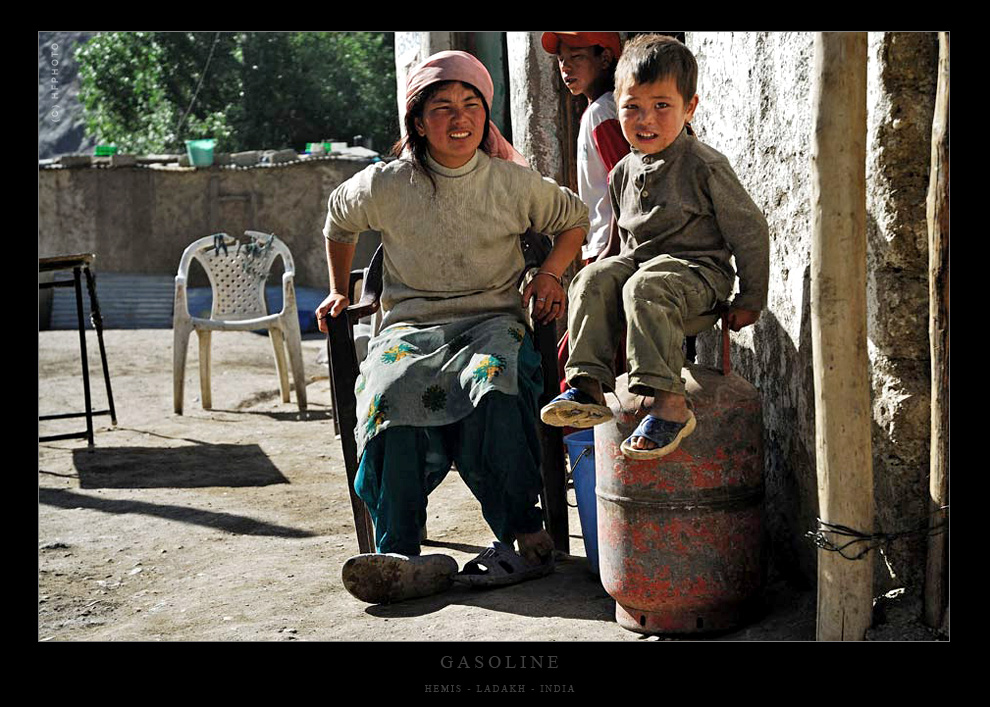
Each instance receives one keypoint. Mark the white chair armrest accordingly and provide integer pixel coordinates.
(180, 308)
(288, 293)
(288, 264)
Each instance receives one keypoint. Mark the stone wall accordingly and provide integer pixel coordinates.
(902, 83)
(139, 219)
(755, 107)
(534, 89)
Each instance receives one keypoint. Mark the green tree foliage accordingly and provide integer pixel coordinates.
(148, 92)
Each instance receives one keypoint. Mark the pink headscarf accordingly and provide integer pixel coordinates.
(461, 66)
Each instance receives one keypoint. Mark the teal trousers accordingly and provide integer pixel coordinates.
(496, 451)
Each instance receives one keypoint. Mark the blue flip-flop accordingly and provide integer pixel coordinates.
(665, 434)
(574, 408)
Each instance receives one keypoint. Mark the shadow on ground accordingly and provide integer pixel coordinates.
(229, 522)
(292, 416)
(195, 466)
(571, 592)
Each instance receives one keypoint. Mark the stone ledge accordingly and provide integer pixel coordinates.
(251, 159)
(74, 160)
(123, 160)
(245, 159)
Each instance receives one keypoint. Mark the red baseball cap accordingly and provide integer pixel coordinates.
(551, 40)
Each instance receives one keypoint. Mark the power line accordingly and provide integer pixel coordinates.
(202, 76)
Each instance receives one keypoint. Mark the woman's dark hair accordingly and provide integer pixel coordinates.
(416, 143)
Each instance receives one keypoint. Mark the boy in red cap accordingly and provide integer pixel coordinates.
(587, 66)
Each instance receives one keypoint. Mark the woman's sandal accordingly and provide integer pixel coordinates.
(665, 434)
(500, 566)
(378, 578)
(575, 408)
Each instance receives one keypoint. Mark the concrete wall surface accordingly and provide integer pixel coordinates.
(535, 104)
(755, 106)
(139, 219)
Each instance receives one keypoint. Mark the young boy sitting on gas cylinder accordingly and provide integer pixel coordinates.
(681, 215)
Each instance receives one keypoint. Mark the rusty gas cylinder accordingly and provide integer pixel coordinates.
(681, 537)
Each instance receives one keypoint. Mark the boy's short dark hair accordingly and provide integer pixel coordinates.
(647, 58)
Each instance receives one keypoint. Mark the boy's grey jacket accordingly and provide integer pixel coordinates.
(686, 201)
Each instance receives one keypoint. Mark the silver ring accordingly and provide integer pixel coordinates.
(541, 299)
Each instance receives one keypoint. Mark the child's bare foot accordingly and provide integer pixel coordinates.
(666, 406)
(659, 433)
(534, 547)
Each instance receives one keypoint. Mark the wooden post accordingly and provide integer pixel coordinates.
(936, 575)
(843, 418)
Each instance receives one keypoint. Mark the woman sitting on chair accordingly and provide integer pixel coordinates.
(453, 375)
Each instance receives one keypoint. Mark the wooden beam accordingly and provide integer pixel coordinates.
(843, 419)
(936, 574)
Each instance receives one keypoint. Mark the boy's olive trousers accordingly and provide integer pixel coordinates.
(649, 303)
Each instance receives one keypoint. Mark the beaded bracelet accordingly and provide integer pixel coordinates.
(555, 277)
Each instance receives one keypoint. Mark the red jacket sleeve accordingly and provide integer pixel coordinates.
(611, 145)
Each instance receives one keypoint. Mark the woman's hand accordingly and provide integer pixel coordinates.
(339, 259)
(547, 295)
(334, 304)
(545, 289)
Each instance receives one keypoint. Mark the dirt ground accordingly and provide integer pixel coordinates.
(232, 524)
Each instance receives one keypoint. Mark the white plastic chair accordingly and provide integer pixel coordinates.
(237, 273)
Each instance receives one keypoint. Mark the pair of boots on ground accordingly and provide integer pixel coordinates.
(385, 578)
(658, 434)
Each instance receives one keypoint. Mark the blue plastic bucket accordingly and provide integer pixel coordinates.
(581, 451)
